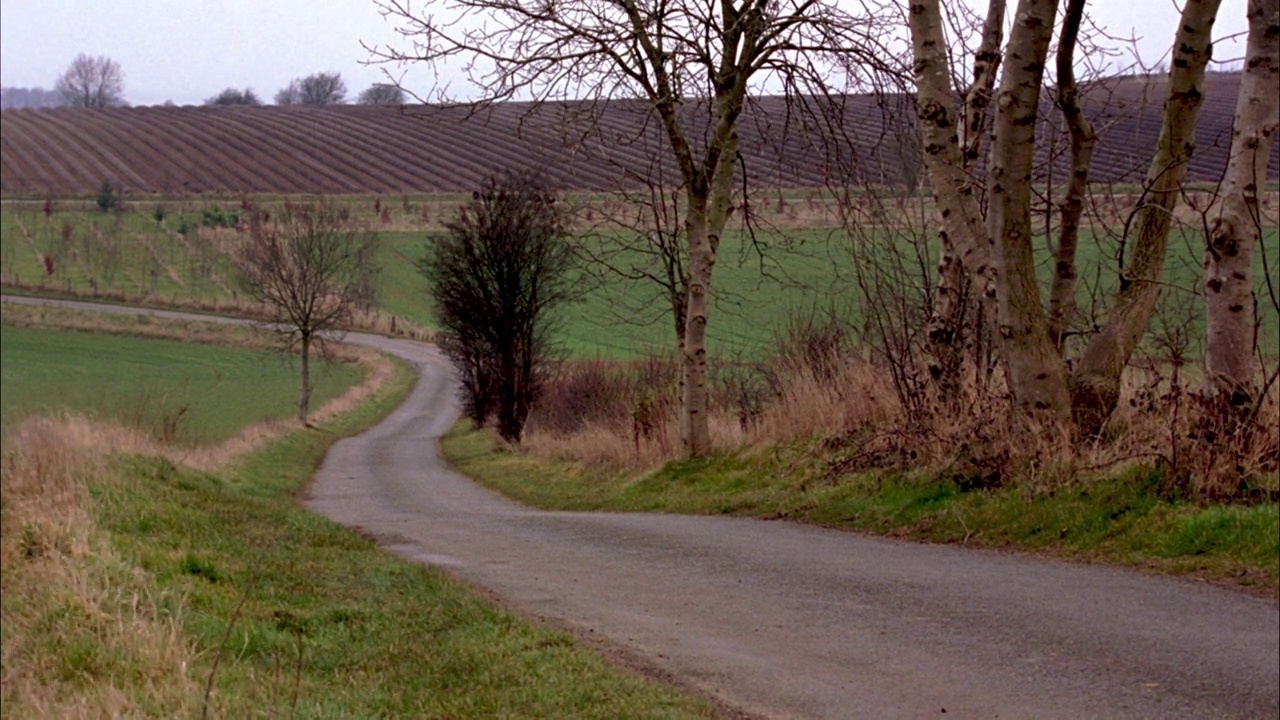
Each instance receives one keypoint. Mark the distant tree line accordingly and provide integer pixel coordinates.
(17, 98)
(99, 82)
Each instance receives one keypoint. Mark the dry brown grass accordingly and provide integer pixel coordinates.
(85, 635)
(846, 406)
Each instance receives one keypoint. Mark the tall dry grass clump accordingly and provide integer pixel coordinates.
(858, 414)
(613, 415)
(85, 634)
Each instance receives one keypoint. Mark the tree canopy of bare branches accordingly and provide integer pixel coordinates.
(311, 269)
(323, 88)
(674, 55)
(95, 82)
(381, 94)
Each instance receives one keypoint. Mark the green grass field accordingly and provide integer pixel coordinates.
(179, 261)
(194, 394)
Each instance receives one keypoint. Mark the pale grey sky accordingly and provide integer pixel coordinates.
(188, 50)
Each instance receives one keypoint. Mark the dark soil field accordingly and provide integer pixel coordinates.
(579, 145)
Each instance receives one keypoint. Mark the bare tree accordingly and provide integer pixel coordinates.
(496, 278)
(999, 254)
(322, 88)
(92, 82)
(233, 96)
(678, 56)
(382, 94)
(290, 94)
(311, 269)
(1236, 230)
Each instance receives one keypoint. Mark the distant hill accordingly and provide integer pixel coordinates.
(580, 145)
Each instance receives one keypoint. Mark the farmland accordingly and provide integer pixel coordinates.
(357, 150)
(183, 393)
(176, 253)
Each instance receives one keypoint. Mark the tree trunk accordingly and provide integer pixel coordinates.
(304, 394)
(977, 100)
(695, 433)
(1095, 385)
(1034, 370)
(1062, 293)
(710, 198)
(1236, 230)
(965, 251)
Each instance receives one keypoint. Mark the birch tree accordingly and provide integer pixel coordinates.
(1000, 253)
(676, 55)
(1236, 228)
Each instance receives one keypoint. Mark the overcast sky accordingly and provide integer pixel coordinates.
(188, 50)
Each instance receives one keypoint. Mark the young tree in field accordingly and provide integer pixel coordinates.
(311, 270)
(692, 63)
(233, 96)
(496, 277)
(1236, 228)
(381, 94)
(92, 82)
(998, 253)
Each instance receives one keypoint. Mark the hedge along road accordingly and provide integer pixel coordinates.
(782, 620)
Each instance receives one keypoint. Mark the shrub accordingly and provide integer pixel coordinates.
(107, 198)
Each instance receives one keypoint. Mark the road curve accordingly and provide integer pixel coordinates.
(782, 620)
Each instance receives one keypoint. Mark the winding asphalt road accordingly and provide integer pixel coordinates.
(782, 620)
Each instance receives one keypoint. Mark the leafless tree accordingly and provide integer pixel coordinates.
(324, 88)
(95, 82)
(998, 253)
(382, 94)
(311, 270)
(497, 277)
(677, 56)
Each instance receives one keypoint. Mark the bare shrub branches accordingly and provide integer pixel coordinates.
(496, 278)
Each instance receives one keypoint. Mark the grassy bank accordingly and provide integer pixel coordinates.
(1125, 519)
(134, 586)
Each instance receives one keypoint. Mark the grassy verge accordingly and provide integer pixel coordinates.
(136, 587)
(1122, 520)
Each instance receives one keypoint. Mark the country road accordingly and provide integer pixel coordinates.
(776, 619)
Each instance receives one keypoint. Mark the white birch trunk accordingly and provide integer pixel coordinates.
(1236, 229)
(1034, 369)
(1095, 385)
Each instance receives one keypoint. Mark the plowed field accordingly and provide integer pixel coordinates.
(580, 146)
